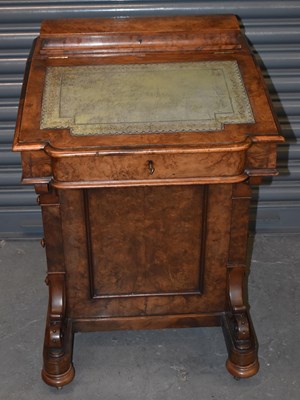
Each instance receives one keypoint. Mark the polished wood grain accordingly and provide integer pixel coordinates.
(158, 260)
(145, 231)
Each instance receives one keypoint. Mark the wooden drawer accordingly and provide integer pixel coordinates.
(127, 168)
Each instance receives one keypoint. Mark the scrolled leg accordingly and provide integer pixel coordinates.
(58, 369)
(238, 329)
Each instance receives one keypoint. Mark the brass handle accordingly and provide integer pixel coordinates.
(151, 168)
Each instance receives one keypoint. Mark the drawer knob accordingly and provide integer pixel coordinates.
(151, 168)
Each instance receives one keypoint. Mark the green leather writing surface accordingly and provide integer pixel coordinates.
(145, 98)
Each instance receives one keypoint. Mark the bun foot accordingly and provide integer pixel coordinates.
(61, 380)
(239, 371)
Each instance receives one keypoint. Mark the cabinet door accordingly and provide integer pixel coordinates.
(146, 250)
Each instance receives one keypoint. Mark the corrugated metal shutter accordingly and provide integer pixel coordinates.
(272, 26)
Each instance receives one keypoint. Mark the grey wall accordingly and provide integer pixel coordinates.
(273, 27)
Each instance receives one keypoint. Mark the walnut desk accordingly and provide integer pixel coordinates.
(142, 137)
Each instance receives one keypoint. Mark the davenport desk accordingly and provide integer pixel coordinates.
(142, 137)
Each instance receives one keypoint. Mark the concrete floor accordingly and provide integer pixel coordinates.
(153, 365)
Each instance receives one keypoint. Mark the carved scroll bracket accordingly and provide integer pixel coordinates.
(238, 330)
(56, 311)
(238, 306)
(58, 369)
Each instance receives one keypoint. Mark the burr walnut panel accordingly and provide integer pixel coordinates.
(152, 167)
(88, 297)
(146, 240)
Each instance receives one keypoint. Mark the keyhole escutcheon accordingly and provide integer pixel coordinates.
(151, 168)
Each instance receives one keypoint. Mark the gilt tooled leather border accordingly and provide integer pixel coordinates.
(145, 98)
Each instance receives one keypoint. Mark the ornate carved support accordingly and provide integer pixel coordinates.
(237, 325)
(238, 330)
(238, 308)
(56, 311)
(242, 330)
(58, 369)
